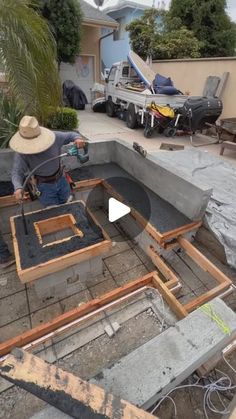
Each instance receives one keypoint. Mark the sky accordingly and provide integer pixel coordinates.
(231, 6)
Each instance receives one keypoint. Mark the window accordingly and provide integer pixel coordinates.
(112, 74)
(120, 32)
(125, 71)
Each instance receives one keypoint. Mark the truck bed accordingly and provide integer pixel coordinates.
(143, 100)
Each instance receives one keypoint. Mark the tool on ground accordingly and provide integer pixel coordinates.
(73, 151)
(139, 149)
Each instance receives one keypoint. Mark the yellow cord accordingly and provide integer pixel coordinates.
(208, 310)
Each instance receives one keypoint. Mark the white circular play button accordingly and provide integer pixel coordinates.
(117, 210)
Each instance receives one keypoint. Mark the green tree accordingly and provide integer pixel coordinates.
(210, 24)
(28, 55)
(156, 35)
(65, 19)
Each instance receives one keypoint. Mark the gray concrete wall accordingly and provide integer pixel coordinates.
(190, 198)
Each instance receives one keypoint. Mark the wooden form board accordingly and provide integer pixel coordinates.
(9, 200)
(65, 391)
(149, 280)
(223, 282)
(62, 262)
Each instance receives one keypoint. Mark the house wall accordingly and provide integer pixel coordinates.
(113, 51)
(190, 76)
(90, 45)
(86, 69)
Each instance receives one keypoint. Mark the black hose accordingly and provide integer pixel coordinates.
(25, 184)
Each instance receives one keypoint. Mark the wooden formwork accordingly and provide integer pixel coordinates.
(222, 280)
(62, 262)
(151, 280)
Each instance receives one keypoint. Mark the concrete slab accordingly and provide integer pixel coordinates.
(10, 283)
(13, 307)
(15, 328)
(102, 288)
(46, 314)
(165, 361)
(122, 262)
(131, 275)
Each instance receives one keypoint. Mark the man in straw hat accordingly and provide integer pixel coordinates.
(33, 145)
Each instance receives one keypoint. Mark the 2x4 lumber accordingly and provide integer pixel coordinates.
(208, 296)
(174, 304)
(203, 262)
(9, 200)
(171, 278)
(65, 391)
(74, 314)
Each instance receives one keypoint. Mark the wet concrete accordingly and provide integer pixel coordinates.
(162, 215)
(32, 253)
(6, 188)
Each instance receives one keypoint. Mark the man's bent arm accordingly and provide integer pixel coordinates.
(19, 170)
(67, 137)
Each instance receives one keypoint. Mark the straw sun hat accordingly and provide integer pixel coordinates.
(31, 138)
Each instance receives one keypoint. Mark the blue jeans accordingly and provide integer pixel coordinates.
(54, 193)
(4, 251)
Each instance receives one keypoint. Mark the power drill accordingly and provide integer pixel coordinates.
(81, 157)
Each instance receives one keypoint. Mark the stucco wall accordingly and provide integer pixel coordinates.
(190, 76)
(90, 46)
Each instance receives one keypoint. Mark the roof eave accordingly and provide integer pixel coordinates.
(100, 23)
(124, 6)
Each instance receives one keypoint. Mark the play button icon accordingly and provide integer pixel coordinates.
(117, 210)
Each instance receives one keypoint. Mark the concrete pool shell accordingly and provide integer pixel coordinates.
(176, 205)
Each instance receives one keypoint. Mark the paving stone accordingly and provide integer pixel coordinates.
(36, 302)
(75, 301)
(122, 262)
(13, 307)
(118, 246)
(10, 284)
(15, 328)
(46, 314)
(91, 281)
(131, 275)
(102, 288)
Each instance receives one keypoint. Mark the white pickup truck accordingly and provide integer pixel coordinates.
(125, 93)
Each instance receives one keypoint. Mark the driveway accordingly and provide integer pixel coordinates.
(98, 126)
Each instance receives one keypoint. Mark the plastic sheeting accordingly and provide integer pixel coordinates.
(203, 168)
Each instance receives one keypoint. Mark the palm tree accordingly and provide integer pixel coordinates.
(28, 55)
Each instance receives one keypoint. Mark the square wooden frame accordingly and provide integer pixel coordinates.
(63, 262)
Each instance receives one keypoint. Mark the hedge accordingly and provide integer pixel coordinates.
(65, 119)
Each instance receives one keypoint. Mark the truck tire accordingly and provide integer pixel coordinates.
(131, 117)
(110, 108)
